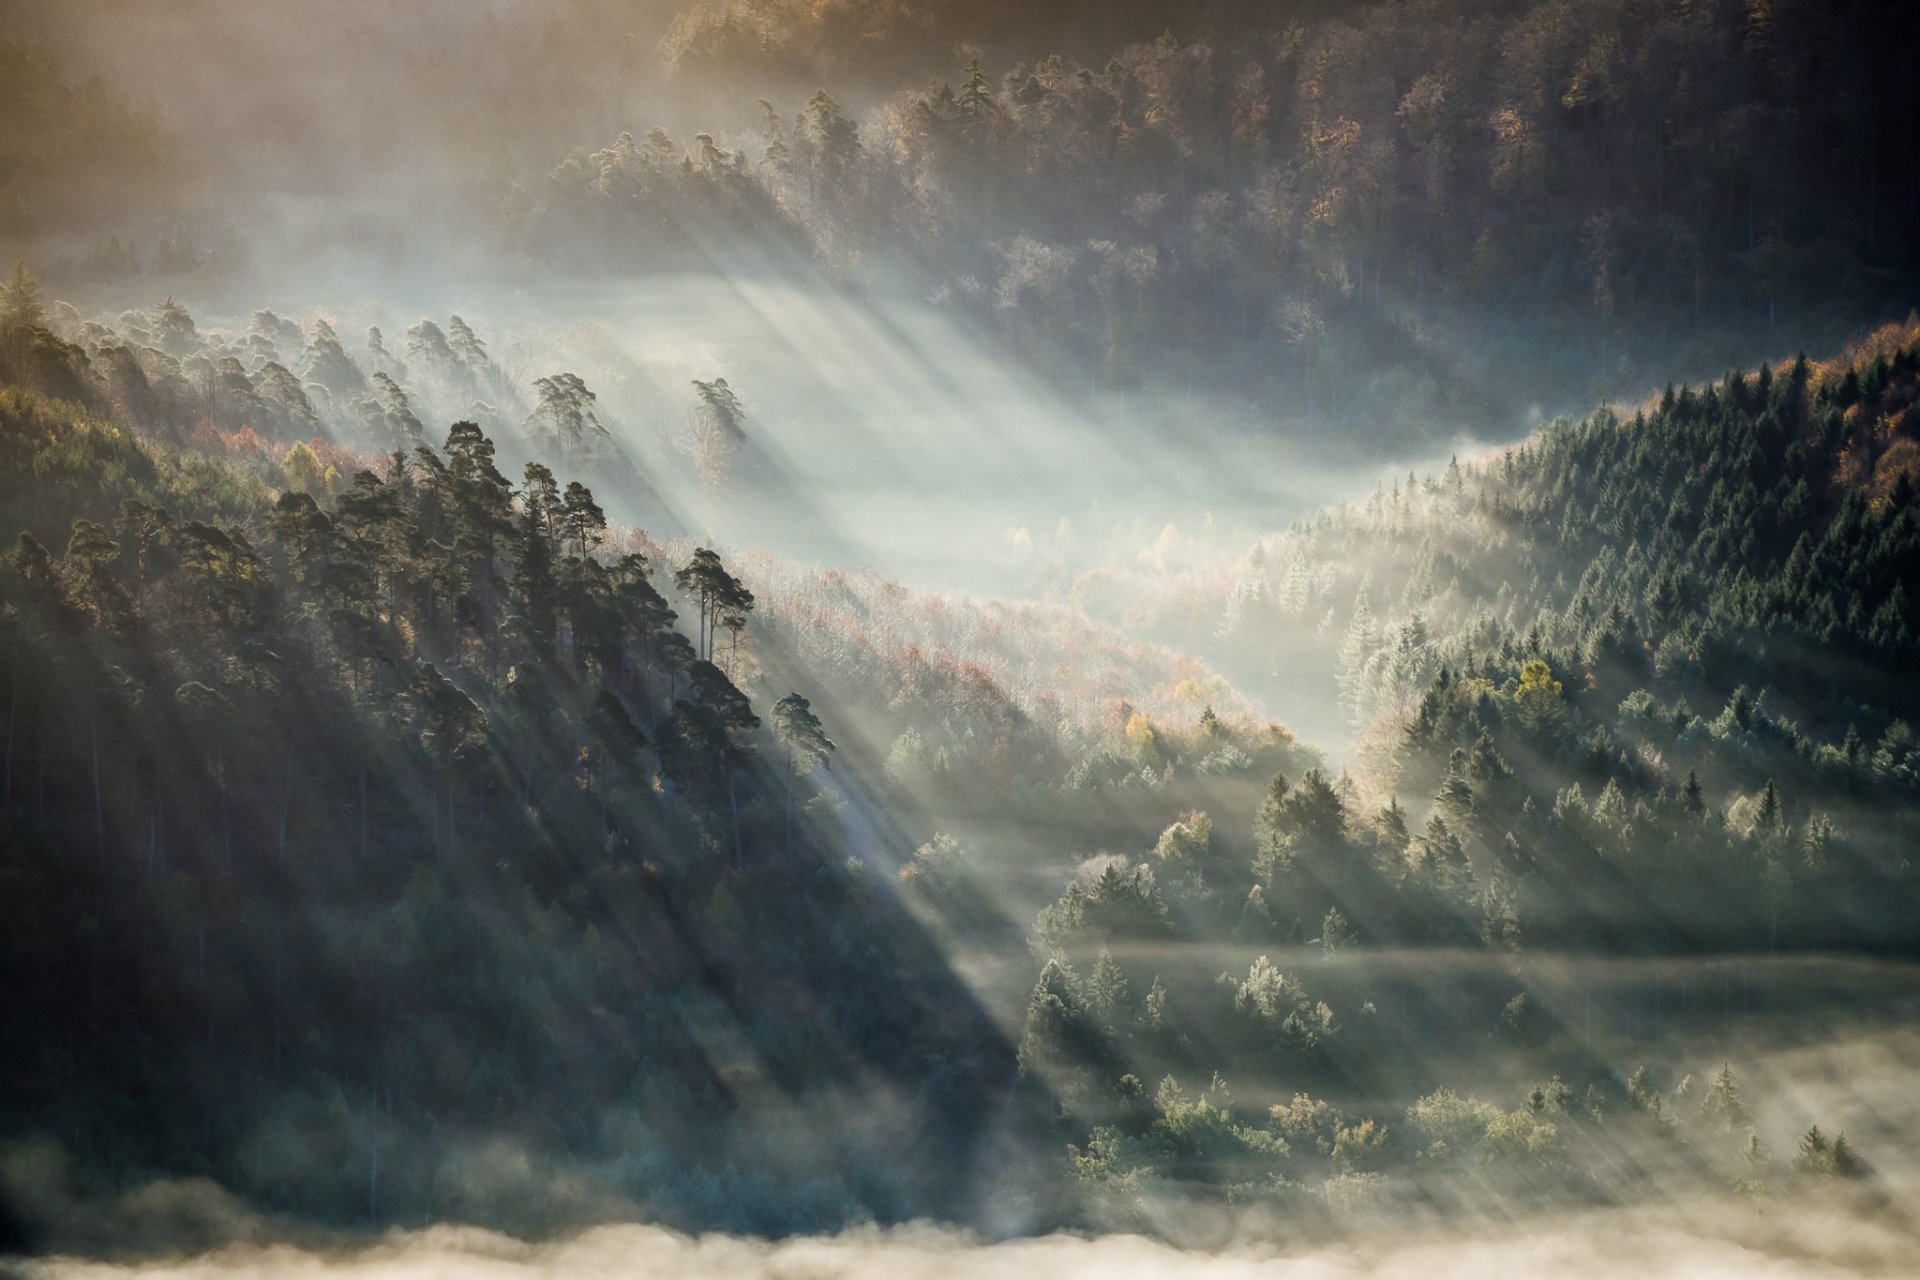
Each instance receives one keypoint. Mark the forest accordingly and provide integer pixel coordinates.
(1161, 636)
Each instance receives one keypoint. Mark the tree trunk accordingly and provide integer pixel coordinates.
(486, 612)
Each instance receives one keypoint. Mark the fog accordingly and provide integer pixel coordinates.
(928, 455)
(1078, 416)
(363, 163)
(883, 433)
(1685, 1241)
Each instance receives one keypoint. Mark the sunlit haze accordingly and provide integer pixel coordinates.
(846, 637)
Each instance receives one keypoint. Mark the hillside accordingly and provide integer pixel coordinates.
(341, 871)
(1544, 841)
(1351, 223)
(748, 638)
(446, 852)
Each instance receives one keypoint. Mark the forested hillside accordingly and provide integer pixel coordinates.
(1527, 641)
(752, 633)
(1380, 212)
(450, 852)
(1356, 222)
(1708, 599)
(321, 808)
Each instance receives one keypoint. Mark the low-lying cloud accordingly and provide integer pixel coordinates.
(1698, 1242)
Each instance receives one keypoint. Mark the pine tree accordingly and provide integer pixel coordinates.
(1814, 1155)
(1768, 821)
(807, 744)
(537, 592)
(1723, 1100)
(1692, 801)
(464, 344)
(977, 109)
(1053, 1037)
(1358, 652)
(581, 521)
(20, 306)
(1106, 988)
(721, 596)
(564, 420)
(1335, 933)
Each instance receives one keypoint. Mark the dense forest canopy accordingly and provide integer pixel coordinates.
(1259, 628)
(1338, 215)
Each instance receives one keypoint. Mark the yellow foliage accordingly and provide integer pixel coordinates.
(1144, 739)
(1538, 696)
(1888, 340)
(1536, 681)
(304, 473)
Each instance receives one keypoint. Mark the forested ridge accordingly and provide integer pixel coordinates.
(1343, 220)
(358, 843)
(1359, 216)
(777, 632)
(1525, 640)
(1706, 601)
(419, 832)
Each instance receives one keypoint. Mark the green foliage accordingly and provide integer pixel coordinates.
(1724, 1101)
(322, 781)
(1184, 846)
(1120, 900)
(1452, 1127)
(1738, 547)
(1310, 192)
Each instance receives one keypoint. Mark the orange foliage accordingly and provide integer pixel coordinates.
(1902, 458)
(1888, 340)
(346, 462)
(208, 438)
(994, 686)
